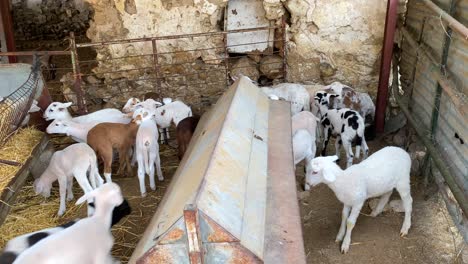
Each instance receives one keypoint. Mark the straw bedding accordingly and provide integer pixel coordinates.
(32, 212)
(18, 148)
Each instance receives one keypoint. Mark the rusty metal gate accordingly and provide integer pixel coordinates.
(146, 65)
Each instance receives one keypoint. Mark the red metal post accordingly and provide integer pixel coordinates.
(7, 25)
(385, 66)
(193, 234)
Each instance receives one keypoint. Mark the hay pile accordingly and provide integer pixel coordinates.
(33, 212)
(18, 148)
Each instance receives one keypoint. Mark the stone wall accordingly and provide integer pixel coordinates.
(49, 19)
(333, 40)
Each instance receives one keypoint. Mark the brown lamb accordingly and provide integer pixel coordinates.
(105, 137)
(184, 132)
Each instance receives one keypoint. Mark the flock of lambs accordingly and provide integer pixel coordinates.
(336, 111)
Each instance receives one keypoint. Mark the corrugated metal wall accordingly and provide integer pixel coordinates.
(421, 86)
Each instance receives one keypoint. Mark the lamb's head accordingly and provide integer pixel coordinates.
(148, 104)
(130, 105)
(320, 170)
(322, 100)
(108, 194)
(57, 110)
(42, 187)
(142, 114)
(57, 127)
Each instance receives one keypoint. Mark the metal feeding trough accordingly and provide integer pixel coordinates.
(20, 85)
(233, 198)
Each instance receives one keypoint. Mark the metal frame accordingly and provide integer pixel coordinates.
(158, 75)
(458, 208)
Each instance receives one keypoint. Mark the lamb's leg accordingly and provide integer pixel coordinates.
(338, 146)
(158, 166)
(350, 225)
(63, 191)
(134, 159)
(92, 179)
(365, 149)
(382, 202)
(349, 152)
(141, 174)
(326, 136)
(127, 164)
(82, 180)
(107, 160)
(344, 217)
(70, 189)
(405, 195)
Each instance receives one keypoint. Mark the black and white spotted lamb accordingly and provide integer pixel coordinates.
(345, 124)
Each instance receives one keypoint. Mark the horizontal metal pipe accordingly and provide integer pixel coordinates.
(125, 41)
(446, 85)
(434, 153)
(452, 22)
(31, 53)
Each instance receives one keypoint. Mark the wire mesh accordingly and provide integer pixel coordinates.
(14, 107)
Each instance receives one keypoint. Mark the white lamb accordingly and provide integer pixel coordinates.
(73, 161)
(147, 149)
(77, 131)
(376, 176)
(292, 92)
(130, 105)
(57, 110)
(306, 120)
(173, 112)
(303, 146)
(88, 241)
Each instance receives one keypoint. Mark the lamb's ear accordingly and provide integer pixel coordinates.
(328, 176)
(334, 95)
(67, 104)
(86, 196)
(332, 158)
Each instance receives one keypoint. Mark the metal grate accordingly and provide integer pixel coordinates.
(14, 107)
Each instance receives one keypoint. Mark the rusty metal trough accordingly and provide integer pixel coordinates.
(233, 198)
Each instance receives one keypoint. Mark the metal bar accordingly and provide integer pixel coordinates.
(122, 41)
(382, 92)
(31, 53)
(226, 57)
(193, 234)
(443, 65)
(452, 22)
(77, 75)
(10, 162)
(7, 24)
(413, 75)
(433, 152)
(444, 82)
(285, 62)
(438, 94)
(157, 69)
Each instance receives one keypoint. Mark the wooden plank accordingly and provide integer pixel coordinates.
(10, 192)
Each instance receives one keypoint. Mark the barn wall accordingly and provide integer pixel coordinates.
(420, 84)
(49, 19)
(327, 40)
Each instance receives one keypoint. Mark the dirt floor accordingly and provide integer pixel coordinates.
(431, 239)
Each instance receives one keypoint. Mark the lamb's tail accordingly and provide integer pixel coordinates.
(94, 172)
